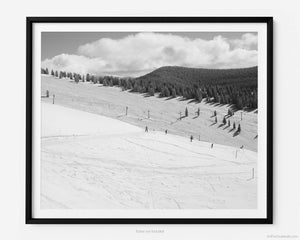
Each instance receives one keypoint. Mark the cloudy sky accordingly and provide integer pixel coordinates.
(134, 54)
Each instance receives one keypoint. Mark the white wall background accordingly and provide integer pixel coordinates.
(286, 116)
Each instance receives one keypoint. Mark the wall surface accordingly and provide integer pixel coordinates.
(286, 115)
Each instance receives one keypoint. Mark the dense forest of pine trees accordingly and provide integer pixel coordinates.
(232, 86)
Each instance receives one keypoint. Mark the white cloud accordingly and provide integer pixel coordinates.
(247, 41)
(143, 52)
(74, 63)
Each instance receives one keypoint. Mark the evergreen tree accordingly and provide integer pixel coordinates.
(111, 84)
(200, 96)
(173, 92)
(151, 91)
(228, 123)
(233, 125)
(167, 92)
(239, 128)
(186, 112)
(224, 120)
(76, 78)
(135, 87)
(52, 72)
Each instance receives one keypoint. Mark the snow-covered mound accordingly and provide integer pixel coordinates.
(90, 161)
(61, 121)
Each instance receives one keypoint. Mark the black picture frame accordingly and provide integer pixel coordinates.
(29, 120)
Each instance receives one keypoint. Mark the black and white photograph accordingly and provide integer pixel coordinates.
(150, 121)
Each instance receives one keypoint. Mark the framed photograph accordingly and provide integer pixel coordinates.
(149, 120)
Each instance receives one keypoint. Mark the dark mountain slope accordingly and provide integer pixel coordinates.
(191, 76)
(225, 86)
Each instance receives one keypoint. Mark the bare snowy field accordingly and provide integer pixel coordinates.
(164, 114)
(91, 161)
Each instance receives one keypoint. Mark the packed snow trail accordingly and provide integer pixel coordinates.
(90, 161)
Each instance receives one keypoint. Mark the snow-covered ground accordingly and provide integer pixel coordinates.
(91, 161)
(164, 112)
(62, 121)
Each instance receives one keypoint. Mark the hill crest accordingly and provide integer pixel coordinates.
(190, 76)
